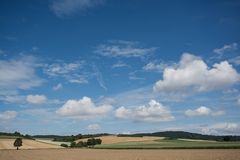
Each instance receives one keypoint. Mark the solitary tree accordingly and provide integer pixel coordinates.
(18, 143)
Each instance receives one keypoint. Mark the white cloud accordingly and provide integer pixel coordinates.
(18, 74)
(1, 51)
(152, 66)
(218, 113)
(226, 48)
(83, 108)
(153, 112)
(193, 75)
(201, 111)
(79, 81)
(57, 87)
(99, 77)
(57, 69)
(238, 101)
(7, 115)
(68, 7)
(93, 127)
(13, 98)
(119, 65)
(71, 72)
(235, 60)
(222, 128)
(36, 99)
(123, 49)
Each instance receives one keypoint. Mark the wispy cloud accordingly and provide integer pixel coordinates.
(123, 49)
(7, 115)
(93, 127)
(235, 60)
(72, 72)
(18, 74)
(69, 7)
(203, 111)
(120, 65)
(57, 87)
(226, 48)
(99, 77)
(157, 67)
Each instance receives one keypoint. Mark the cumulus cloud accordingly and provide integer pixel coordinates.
(7, 115)
(203, 111)
(226, 48)
(222, 128)
(36, 99)
(93, 127)
(83, 108)
(57, 87)
(153, 112)
(123, 49)
(68, 7)
(193, 74)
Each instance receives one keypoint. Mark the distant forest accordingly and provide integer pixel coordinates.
(168, 134)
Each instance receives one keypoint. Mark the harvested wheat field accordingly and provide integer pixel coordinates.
(101, 154)
(116, 139)
(27, 144)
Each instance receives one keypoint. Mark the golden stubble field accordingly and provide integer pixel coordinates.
(103, 154)
(27, 144)
(116, 139)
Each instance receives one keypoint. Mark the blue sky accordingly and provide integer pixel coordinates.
(90, 66)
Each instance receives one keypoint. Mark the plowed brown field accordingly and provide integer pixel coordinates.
(101, 154)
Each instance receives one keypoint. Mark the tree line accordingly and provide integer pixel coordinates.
(89, 143)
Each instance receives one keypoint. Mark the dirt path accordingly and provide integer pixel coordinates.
(101, 154)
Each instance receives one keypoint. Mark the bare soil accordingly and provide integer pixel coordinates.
(101, 154)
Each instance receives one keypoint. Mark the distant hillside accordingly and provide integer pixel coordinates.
(187, 135)
(71, 137)
(15, 134)
(169, 134)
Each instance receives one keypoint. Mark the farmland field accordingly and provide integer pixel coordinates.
(170, 144)
(103, 154)
(116, 139)
(27, 144)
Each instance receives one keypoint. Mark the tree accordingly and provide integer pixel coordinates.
(226, 138)
(64, 145)
(18, 143)
(98, 141)
(73, 144)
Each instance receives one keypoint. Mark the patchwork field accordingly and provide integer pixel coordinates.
(27, 144)
(102, 154)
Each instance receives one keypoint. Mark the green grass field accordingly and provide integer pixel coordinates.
(9, 137)
(171, 144)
